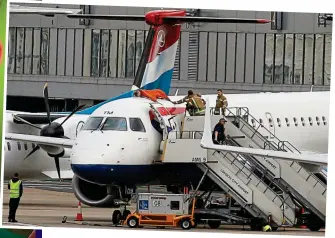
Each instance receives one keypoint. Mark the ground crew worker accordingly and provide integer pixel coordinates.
(219, 135)
(15, 190)
(267, 228)
(194, 104)
(221, 103)
(199, 95)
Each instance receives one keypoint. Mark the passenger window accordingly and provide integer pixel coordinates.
(318, 121)
(174, 205)
(18, 145)
(261, 121)
(136, 124)
(115, 124)
(287, 122)
(8, 145)
(303, 121)
(25, 146)
(93, 123)
(253, 122)
(310, 121)
(324, 120)
(295, 121)
(278, 121)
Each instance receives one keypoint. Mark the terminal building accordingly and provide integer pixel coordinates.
(88, 61)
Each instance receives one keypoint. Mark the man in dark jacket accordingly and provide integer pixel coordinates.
(219, 135)
(16, 189)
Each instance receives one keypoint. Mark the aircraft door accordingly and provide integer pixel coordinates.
(271, 125)
(167, 123)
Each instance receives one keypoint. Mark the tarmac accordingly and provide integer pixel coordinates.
(43, 207)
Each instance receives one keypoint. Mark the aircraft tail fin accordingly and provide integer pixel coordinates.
(161, 60)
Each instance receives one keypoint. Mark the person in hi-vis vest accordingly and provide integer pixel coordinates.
(15, 193)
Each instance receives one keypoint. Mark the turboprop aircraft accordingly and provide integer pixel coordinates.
(114, 146)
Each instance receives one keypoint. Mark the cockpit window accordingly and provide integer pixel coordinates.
(93, 123)
(115, 124)
(136, 124)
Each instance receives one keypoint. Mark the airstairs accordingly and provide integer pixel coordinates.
(261, 185)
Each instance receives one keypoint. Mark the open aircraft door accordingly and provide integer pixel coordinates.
(167, 122)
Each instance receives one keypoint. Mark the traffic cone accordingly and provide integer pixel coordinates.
(79, 214)
(303, 227)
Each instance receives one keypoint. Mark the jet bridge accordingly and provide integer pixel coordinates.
(233, 175)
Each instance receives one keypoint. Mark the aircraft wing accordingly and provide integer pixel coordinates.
(18, 9)
(68, 174)
(207, 143)
(42, 140)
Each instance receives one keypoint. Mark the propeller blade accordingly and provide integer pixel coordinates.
(46, 101)
(74, 111)
(32, 152)
(57, 167)
(26, 122)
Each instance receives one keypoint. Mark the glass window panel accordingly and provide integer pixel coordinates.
(136, 124)
(318, 59)
(113, 51)
(298, 54)
(11, 50)
(130, 54)
(19, 50)
(28, 51)
(288, 59)
(115, 124)
(93, 123)
(279, 59)
(87, 52)
(139, 47)
(36, 51)
(45, 41)
(95, 53)
(308, 66)
(122, 54)
(268, 64)
(104, 53)
(327, 63)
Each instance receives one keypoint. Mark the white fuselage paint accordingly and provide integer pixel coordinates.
(90, 146)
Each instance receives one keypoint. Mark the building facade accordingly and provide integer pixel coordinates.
(97, 59)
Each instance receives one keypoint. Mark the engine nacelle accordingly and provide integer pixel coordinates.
(93, 194)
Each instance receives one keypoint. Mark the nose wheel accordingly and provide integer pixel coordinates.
(119, 216)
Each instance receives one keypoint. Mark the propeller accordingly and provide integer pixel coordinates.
(53, 129)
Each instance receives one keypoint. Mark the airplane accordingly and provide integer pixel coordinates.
(112, 146)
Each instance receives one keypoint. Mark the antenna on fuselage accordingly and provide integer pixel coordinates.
(176, 93)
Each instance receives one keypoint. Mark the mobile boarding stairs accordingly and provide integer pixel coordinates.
(263, 186)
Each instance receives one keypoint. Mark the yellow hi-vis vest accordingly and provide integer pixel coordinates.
(198, 105)
(267, 228)
(14, 189)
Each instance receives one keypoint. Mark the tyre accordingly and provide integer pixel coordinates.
(256, 224)
(314, 223)
(132, 222)
(274, 228)
(185, 224)
(125, 214)
(214, 224)
(116, 217)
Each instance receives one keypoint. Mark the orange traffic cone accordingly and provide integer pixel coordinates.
(303, 227)
(79, 214)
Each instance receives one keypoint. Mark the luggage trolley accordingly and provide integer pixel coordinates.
(163, 210)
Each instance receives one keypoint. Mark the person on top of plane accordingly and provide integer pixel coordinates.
(194, 104)
(221, 103)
